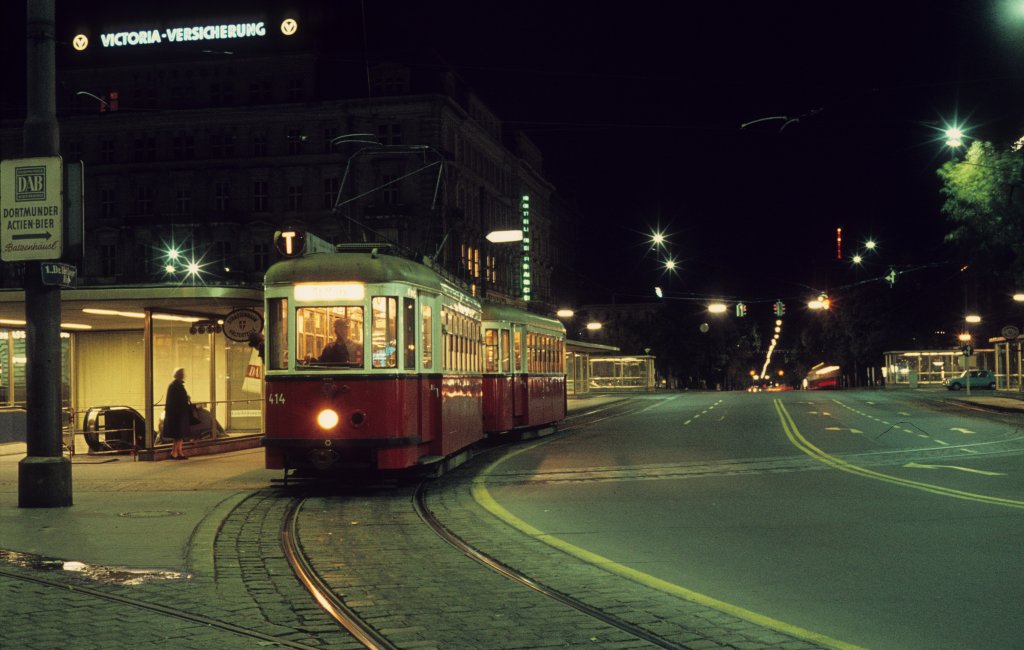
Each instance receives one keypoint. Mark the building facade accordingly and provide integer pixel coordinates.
(195, 155)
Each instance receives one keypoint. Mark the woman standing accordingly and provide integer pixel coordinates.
(177, 407)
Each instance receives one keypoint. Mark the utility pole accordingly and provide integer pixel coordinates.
(44, 475)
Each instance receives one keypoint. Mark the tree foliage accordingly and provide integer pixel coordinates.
(984, 201)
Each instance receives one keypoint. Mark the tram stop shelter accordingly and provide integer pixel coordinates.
(578, 355)
(1009, 363)
(120, 347)
(913, 368)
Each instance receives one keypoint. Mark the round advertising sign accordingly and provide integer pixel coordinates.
(241, 324)
(1010, 332)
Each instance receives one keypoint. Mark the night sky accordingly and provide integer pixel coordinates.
(638, 109)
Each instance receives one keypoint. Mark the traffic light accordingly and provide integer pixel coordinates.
(741, 310)
(780, 308)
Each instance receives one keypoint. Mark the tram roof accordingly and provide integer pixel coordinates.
(355, 267)
(501, 312)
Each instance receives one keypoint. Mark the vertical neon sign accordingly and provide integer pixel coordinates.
(526, 281)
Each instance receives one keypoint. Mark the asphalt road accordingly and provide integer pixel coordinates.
(876, 518)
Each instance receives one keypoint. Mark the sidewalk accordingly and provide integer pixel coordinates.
(989, 402)
(134, 514)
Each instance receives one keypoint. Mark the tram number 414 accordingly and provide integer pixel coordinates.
(275, 398)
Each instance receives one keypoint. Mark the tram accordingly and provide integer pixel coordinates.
(377, 362)
(822, 377)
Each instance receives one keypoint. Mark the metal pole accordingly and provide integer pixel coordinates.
(44, 475)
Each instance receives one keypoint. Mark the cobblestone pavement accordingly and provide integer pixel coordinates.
(240, 593)
(421, 593)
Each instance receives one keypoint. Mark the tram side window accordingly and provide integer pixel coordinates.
(329, 336)
(491, 350)
(461, 342)
(384, 332)
(504, 350)
(427, 320)
(519, 350)
(409, 332)
(277, 329)
(531, 352)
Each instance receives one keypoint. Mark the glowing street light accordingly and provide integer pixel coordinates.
(717, 308)
(870, 244)
(857, 259)
(593, 326)
(504, 236)
(565, 313)
(972, 318)
(1018, 297)
(954, 137)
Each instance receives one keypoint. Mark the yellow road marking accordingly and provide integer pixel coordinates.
(483, 497)
(803, 445)
(962, 469)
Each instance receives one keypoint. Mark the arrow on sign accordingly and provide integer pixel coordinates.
(38, 235)
(962, 469)
(960, 430)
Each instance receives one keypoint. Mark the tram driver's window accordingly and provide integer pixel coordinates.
(329, 336)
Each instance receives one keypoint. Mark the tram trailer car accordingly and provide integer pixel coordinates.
(409, 389)
(524, 369)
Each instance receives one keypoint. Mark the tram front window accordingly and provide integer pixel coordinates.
(329, 337)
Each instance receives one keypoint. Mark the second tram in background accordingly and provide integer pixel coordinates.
(377, 362)
(822, 377)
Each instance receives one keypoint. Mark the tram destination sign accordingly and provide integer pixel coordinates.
(31, 209)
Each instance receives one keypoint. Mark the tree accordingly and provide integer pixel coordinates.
(985, 203)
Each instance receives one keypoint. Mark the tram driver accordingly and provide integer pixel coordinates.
(342, 350)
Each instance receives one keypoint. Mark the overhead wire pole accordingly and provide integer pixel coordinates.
(44, 475)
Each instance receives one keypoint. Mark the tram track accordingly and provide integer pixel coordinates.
(419, 502)
(367, 634)
(326, 598)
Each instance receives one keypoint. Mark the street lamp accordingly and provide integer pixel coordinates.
(504, 236)
(954, 137)
(717, 308)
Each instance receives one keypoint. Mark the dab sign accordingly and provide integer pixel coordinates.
(31, 209)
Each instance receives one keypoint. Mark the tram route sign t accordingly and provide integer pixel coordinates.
(31, 209)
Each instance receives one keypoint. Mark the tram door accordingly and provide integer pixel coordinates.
(430, 373)
(519, 371)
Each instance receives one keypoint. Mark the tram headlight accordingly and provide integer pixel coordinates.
(327, 419)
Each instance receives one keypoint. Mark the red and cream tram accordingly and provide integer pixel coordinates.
(524, 369)
(377, 362)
